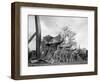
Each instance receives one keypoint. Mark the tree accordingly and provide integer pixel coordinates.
(47, 38)
(68, 34)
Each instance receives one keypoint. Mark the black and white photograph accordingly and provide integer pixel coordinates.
(57, 40)
(53, 40)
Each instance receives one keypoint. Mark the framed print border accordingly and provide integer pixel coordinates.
(15, 40)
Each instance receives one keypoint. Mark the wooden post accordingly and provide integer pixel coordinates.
(38, 36)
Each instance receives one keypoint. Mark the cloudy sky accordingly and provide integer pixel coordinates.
(52, 25)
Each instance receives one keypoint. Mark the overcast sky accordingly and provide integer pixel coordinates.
(52, 25)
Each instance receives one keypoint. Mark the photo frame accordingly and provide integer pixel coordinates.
(51, 40)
